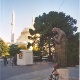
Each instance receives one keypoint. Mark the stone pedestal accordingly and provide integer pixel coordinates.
(25, 57)
(64, 74)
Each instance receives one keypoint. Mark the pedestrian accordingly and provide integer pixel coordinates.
(15, 60)
(40, 58)
(11, 60)
(5, 60)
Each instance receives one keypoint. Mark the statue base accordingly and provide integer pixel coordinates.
(64, 74)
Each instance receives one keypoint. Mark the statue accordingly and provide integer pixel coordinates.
(60, 42)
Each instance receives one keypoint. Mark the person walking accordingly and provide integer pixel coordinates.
(5, 61)
(14, 61)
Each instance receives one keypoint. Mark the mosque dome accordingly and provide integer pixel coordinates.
(23, 38)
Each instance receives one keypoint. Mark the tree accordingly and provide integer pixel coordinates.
(29, 44)
(3, 48)
(14, 49)
(44, 24)
(35, 37)
(22, 46)
(73, 51)
(36, 51)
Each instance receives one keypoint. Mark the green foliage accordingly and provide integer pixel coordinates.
(29, 37)
(45, 23)
(73, 51)
(29, 44)
(43, 26)
(31, 31)
(22, 46)
(36, 53)
(14, 49)
(3, 47)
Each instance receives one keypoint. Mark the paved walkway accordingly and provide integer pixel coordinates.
(41, 75)
(74, 72)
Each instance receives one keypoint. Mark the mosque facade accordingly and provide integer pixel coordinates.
(23, 38)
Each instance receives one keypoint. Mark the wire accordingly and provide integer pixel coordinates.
(61, 5)
(9, 23)
(5, 22)
(20, 26)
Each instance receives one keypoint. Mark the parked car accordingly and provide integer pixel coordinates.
(44, 58)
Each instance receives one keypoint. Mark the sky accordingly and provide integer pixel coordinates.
(26, 9)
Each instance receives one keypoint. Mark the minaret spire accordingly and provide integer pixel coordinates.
(33, 20)
(13, 24)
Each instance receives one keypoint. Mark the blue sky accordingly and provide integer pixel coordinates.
(26, 9)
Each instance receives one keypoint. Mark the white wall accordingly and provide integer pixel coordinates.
(27, 58)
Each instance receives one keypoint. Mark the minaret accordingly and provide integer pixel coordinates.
(13, 24)
(33, 21)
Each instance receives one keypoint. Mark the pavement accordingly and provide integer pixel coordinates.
(39, 75)
(45, 75)
(71, 73)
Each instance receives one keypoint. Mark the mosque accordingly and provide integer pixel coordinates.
(23, 38)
